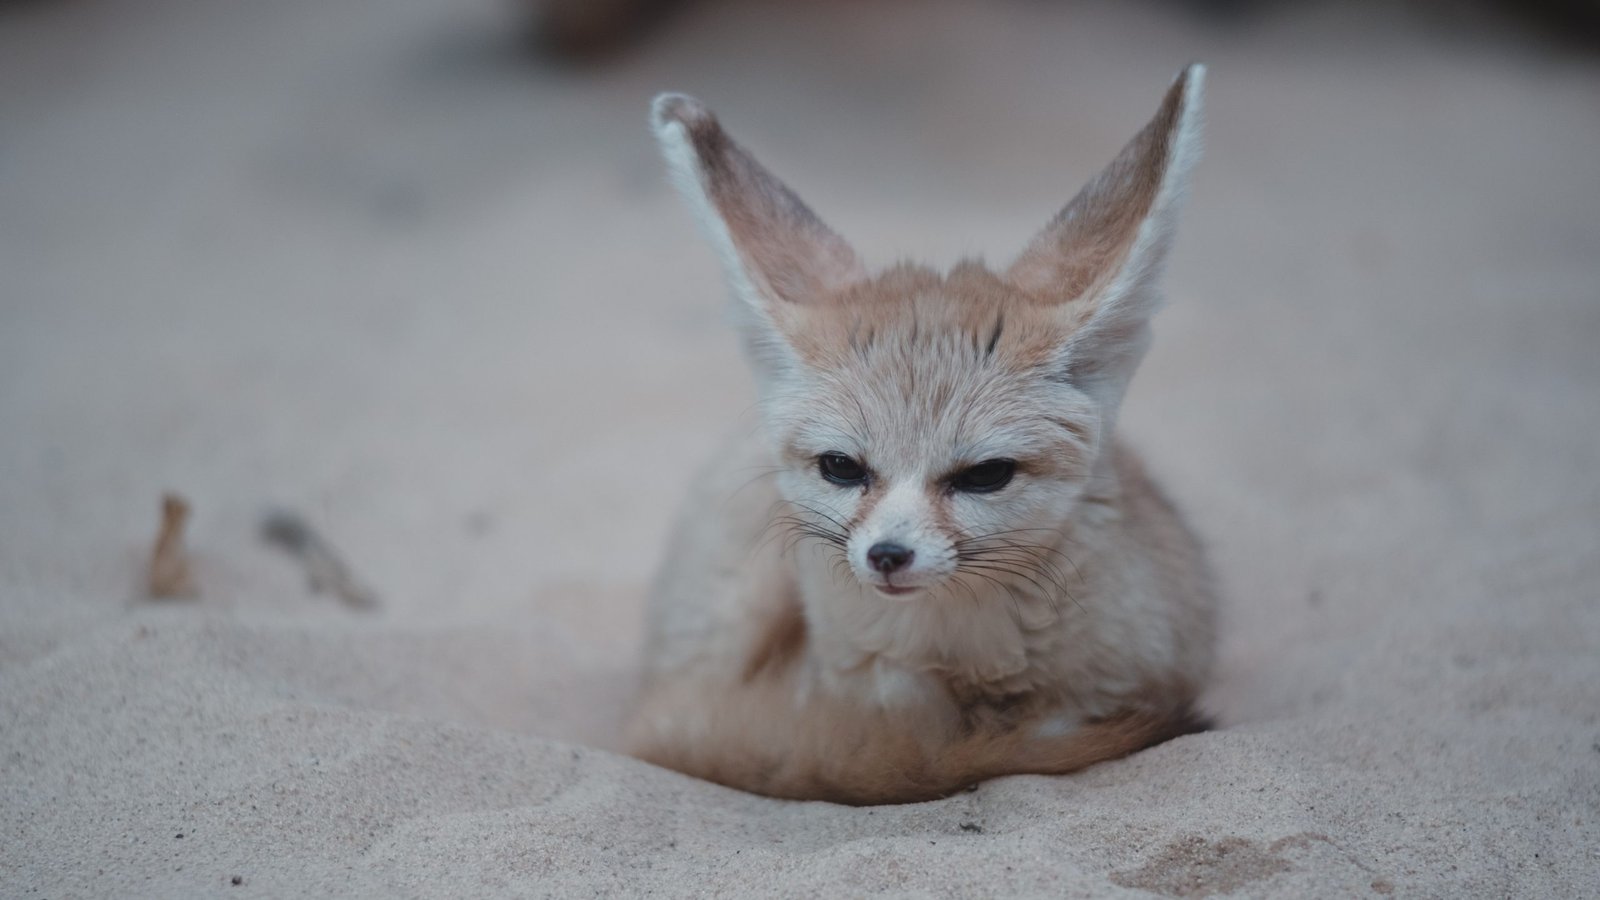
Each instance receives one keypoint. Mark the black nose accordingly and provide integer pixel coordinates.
(887, 557)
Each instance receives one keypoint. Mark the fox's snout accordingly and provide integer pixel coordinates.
(898, 545)
(888, 557)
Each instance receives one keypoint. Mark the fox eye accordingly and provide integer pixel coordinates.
(841, 469)
(985, 477)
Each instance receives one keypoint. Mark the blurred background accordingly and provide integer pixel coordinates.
(411, 268)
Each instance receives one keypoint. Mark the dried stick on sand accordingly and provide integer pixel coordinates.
(170, 575)
(324, 569)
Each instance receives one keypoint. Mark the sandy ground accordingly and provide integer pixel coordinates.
(364, 260)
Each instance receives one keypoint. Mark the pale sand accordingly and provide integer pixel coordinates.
(356, 258)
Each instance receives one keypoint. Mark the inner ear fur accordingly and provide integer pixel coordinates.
(776, 250)
(1099, 259)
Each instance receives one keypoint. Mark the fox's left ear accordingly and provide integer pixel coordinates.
(1100, 258)
(776, 253)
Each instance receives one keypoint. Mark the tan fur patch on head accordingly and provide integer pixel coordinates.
(916, 352)
(971, 307)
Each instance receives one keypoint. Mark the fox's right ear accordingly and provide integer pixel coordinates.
(775, 250)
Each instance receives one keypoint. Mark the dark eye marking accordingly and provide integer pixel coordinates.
(984, 478)
(841, 469)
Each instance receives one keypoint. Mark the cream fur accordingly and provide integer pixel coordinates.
(1063, 619)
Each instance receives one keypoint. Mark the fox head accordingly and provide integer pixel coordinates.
(932, 426)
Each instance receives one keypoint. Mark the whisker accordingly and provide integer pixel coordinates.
(768, 472)
(831, 516)
(1016, 605)
(1028, 556)
(1004, 551)
(1000, 534)
(1027, 573)
(1027, 548)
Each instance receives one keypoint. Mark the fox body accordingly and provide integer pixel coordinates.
(946, 568)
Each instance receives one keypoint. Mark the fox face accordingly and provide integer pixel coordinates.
(922, 431)
(929, 427)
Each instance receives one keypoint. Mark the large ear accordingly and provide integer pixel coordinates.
(1100, 258)
(774, 248)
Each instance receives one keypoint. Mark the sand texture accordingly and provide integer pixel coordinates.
(367, 262)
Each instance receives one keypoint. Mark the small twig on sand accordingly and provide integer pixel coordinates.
(170, 575)
(324, 569)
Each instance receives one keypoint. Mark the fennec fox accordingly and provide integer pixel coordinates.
(954, 572)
